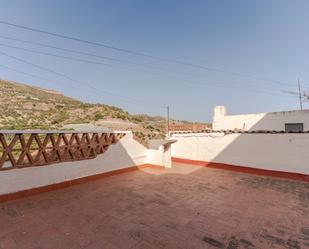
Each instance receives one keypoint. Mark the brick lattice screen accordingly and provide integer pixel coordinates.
(18, 150)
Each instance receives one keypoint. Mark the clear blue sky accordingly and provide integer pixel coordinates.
(265, 39)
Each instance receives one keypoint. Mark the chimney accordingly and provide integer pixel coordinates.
(219, 111)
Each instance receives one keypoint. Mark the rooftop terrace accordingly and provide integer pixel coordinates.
(185, 207)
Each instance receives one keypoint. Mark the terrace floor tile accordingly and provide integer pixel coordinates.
(186, 207)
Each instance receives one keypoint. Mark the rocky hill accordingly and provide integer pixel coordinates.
(28, 107)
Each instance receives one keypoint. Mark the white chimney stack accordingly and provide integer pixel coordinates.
(219, 111)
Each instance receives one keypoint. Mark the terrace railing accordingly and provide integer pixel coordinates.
(19, 149)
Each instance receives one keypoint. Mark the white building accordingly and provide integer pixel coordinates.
(275, 121)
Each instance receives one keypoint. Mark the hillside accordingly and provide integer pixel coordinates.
(28, 107)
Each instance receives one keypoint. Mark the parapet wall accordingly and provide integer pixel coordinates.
(261, 121)
(127, 154)
(278, 152)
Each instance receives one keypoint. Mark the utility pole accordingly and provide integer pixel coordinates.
(300, 95)
(168, 120)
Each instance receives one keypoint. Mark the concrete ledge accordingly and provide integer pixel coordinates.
(38, 190)
(245, 169)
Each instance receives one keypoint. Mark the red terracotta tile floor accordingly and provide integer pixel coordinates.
(187, 207)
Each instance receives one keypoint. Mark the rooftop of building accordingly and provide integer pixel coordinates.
(183, 207)
(223, 111)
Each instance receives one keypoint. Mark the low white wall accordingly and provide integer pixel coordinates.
(261, 121)
(167, 157)
(155, 156)
(280, 152)
(127, 152)
(160, 156)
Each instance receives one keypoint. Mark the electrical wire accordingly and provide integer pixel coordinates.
(25, 73)
(84, 84)
(143, 71)
(103, 57)
(141, 54)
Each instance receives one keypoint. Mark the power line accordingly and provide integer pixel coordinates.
(54, 55)
(77, 81)
(91, 55)
(302, 96)
(25, 73)
(101, 57)
(105, 58)
(123, 68)
(54, 72)
(292, 93)
(59, 48)
(43, 78)
(141, 54)
(29, 74)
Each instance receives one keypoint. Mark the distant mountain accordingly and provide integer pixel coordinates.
(29, 107)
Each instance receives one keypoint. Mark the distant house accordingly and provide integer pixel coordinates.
(188, 127)
(275, 121)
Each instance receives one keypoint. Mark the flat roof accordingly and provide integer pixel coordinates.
(186, 206)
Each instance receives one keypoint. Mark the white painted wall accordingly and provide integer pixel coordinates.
(261, 121)
(280, 152)
(155, 156)
(160, 156)
(167, 156)
(126, 153)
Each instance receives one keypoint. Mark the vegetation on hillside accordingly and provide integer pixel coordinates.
(28, 107)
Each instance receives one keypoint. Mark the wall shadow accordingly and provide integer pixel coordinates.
(257, 149)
